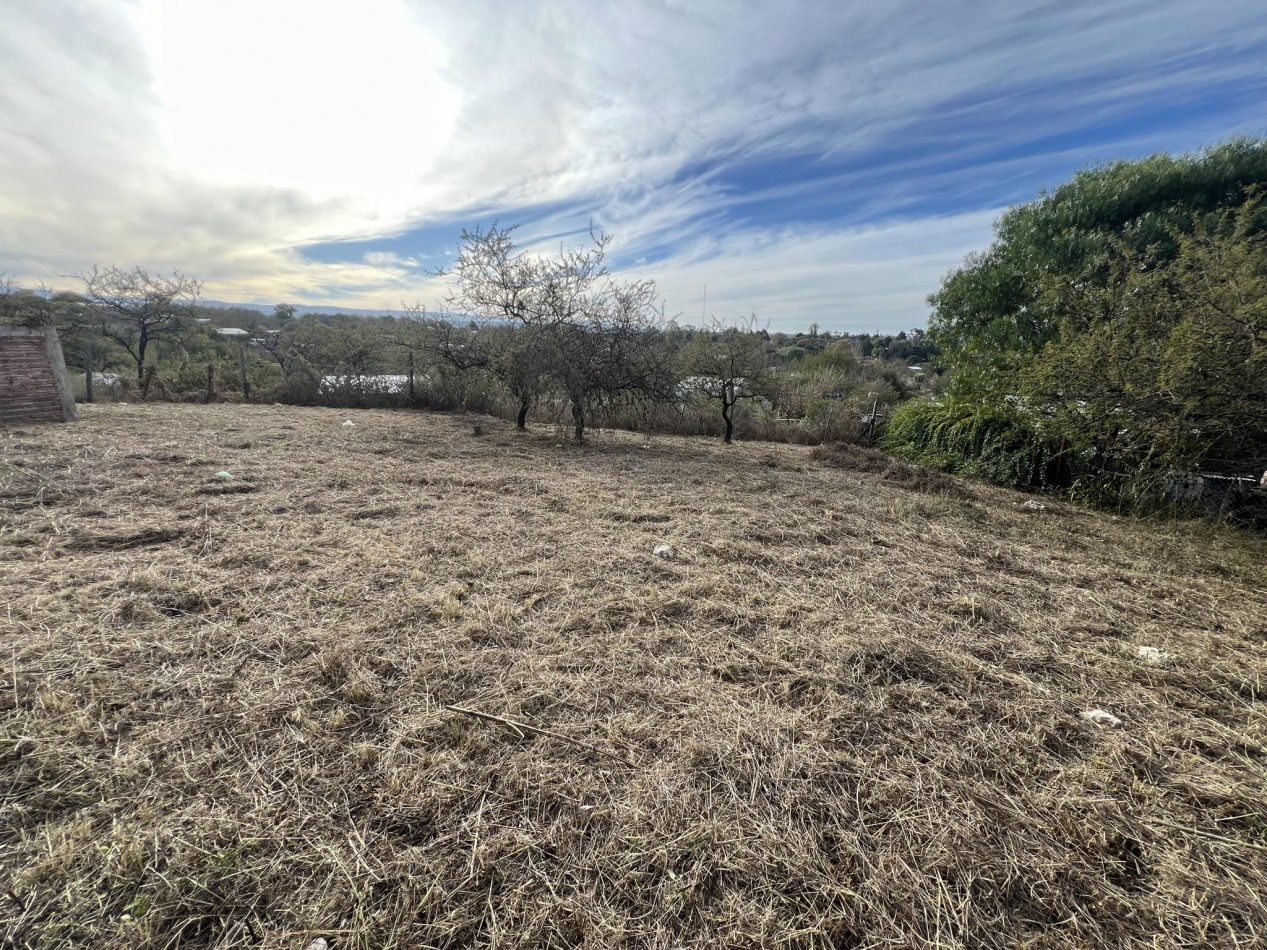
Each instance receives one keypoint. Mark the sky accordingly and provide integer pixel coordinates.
(820, 161)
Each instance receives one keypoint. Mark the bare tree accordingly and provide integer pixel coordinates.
(574, 323)
(507, 351)
(725, 364)
(134, 308)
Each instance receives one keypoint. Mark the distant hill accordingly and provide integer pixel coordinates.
(267, 308)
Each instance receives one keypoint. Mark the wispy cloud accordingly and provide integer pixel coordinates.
(808, 161)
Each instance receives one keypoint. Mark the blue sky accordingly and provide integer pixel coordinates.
(804, 161)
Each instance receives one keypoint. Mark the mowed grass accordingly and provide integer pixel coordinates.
(848, 713)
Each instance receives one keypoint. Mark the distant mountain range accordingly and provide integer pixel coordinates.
(267, 308)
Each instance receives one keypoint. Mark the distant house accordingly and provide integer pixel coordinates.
(234, 333)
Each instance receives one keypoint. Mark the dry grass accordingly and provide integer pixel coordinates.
(847, 715)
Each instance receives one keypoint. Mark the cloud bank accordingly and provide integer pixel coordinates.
(810, 162)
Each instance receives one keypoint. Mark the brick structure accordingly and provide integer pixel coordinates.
(34, 384)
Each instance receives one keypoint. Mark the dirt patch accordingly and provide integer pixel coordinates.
(126, 540)
(859, 458)
(228, 488)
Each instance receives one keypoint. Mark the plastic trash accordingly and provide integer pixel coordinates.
(1101, 717)
(349, 424)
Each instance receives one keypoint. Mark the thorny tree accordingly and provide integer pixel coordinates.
(726, 364)
(134, 308)
(574, 324)
(508, 352)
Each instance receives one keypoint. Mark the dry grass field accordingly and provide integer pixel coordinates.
(399, 686)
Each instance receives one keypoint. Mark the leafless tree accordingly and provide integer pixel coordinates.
(725, 364)
(573, 323)
(134, 308)
(508, 351)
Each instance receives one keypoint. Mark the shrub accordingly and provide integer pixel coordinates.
(999, 444)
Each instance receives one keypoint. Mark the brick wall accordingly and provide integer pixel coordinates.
(33, 383)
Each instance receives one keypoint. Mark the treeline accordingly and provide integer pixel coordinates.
(1112, 341)
(554, 339)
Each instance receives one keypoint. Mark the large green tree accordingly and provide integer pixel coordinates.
(995, 313)
(1120, 321)
(1162, 364)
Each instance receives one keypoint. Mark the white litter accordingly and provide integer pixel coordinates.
(1101, 717)
(1153, 655)
(223, 475)
(666, 551)
(319, 944)
(349, 424)
(1034, 505)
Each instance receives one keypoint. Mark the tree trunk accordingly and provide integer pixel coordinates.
(730, 425)
(246, 382)
(521, 420)
(141, 345)
(88, 371)
(578, 419)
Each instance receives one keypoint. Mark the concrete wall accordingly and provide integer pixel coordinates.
(34, 384)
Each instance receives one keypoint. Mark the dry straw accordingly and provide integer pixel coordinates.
(401, 687)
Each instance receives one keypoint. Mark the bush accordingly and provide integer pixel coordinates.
(998, 444)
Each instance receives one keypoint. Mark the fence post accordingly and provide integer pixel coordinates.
(246, 383)
(88, 371)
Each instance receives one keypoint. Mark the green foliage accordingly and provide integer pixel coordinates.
(991, 316)
(1120, 318)
(999, 444)
(1163, 366)
(837, 358)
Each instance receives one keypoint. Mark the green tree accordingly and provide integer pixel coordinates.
(993, 315)
(1162, 363)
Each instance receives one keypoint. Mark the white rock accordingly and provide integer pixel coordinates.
(223, 475)
(1101, 717)
(320, 943)
(1153, 655)
(666, 551)
(349, 424)
(1034, 505)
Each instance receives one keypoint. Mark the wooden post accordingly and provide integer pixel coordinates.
(411, 375)
(246, 383)
(88, 371)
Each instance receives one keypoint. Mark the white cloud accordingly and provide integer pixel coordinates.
(857, 279)
(222, 136)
